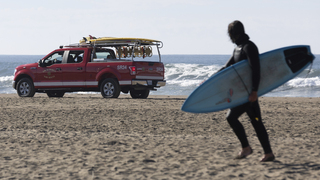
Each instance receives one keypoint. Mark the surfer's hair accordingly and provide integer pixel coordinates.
(235, 30)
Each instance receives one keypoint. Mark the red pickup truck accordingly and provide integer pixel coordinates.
(106, 65)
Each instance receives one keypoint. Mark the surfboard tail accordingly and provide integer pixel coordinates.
(298, 57)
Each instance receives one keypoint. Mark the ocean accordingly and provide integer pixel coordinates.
(183, 74)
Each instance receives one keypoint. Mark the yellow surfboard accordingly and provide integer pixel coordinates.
(101, 40)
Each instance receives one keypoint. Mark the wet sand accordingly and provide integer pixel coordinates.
(89, 137)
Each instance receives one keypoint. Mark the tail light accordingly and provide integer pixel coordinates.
(132, 70)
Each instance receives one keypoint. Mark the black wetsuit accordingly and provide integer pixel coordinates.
(248, 50)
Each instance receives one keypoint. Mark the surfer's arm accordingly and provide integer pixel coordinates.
(254, 62)
(229, 63)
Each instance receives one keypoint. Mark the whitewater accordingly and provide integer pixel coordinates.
(183, 74)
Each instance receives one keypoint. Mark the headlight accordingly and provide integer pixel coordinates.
(15, 70)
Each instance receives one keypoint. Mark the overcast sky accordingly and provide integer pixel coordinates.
(184, 26)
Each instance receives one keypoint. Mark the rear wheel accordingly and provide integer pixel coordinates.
(25, 88)
(55, 93)
(110, 88)
(142, 94)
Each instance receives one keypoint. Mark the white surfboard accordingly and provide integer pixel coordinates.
(231, 86)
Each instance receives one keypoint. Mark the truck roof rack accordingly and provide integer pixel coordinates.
(115, 42)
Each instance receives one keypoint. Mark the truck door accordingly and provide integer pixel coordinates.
(74, 69)
(49, 74)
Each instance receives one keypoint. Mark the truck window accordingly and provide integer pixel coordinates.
(54, 58)
(75, 57)
(103, 55)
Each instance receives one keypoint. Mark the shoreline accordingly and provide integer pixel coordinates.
(85, 136)
(93, 95)
(128, 96)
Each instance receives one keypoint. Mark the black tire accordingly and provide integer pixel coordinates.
(110, 88)
(141, 94)
(55, 93)
(25, 88)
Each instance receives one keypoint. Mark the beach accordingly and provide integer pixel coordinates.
(84, 136)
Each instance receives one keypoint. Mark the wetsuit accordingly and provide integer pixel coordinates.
(246, 49)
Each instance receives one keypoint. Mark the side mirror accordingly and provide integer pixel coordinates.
(40, 63)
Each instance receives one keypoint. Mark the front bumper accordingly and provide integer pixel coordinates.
(154, 83)
(14, 84)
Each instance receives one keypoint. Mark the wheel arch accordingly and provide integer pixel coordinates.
(105, 76)
(19, 77)
(107, 73)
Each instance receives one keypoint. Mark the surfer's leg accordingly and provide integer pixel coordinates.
(232, 117)
(256, 121)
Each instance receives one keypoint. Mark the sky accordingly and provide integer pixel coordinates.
(37, 27)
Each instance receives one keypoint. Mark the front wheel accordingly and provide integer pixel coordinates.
(110, 88)
(141, 94)
(25, 88)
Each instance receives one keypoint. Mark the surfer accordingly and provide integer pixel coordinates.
(246, 49)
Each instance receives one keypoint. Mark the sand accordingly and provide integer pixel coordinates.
(89, 137)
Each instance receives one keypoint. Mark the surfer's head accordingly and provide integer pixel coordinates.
(235, 30)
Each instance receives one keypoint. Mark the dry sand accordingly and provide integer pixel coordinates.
(88, 137)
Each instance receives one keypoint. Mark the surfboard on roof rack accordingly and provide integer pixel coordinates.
(114, 41)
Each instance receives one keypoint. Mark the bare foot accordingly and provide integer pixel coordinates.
(268, 157)
(244, 153)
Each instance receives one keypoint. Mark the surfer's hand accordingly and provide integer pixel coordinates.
(253, 96)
